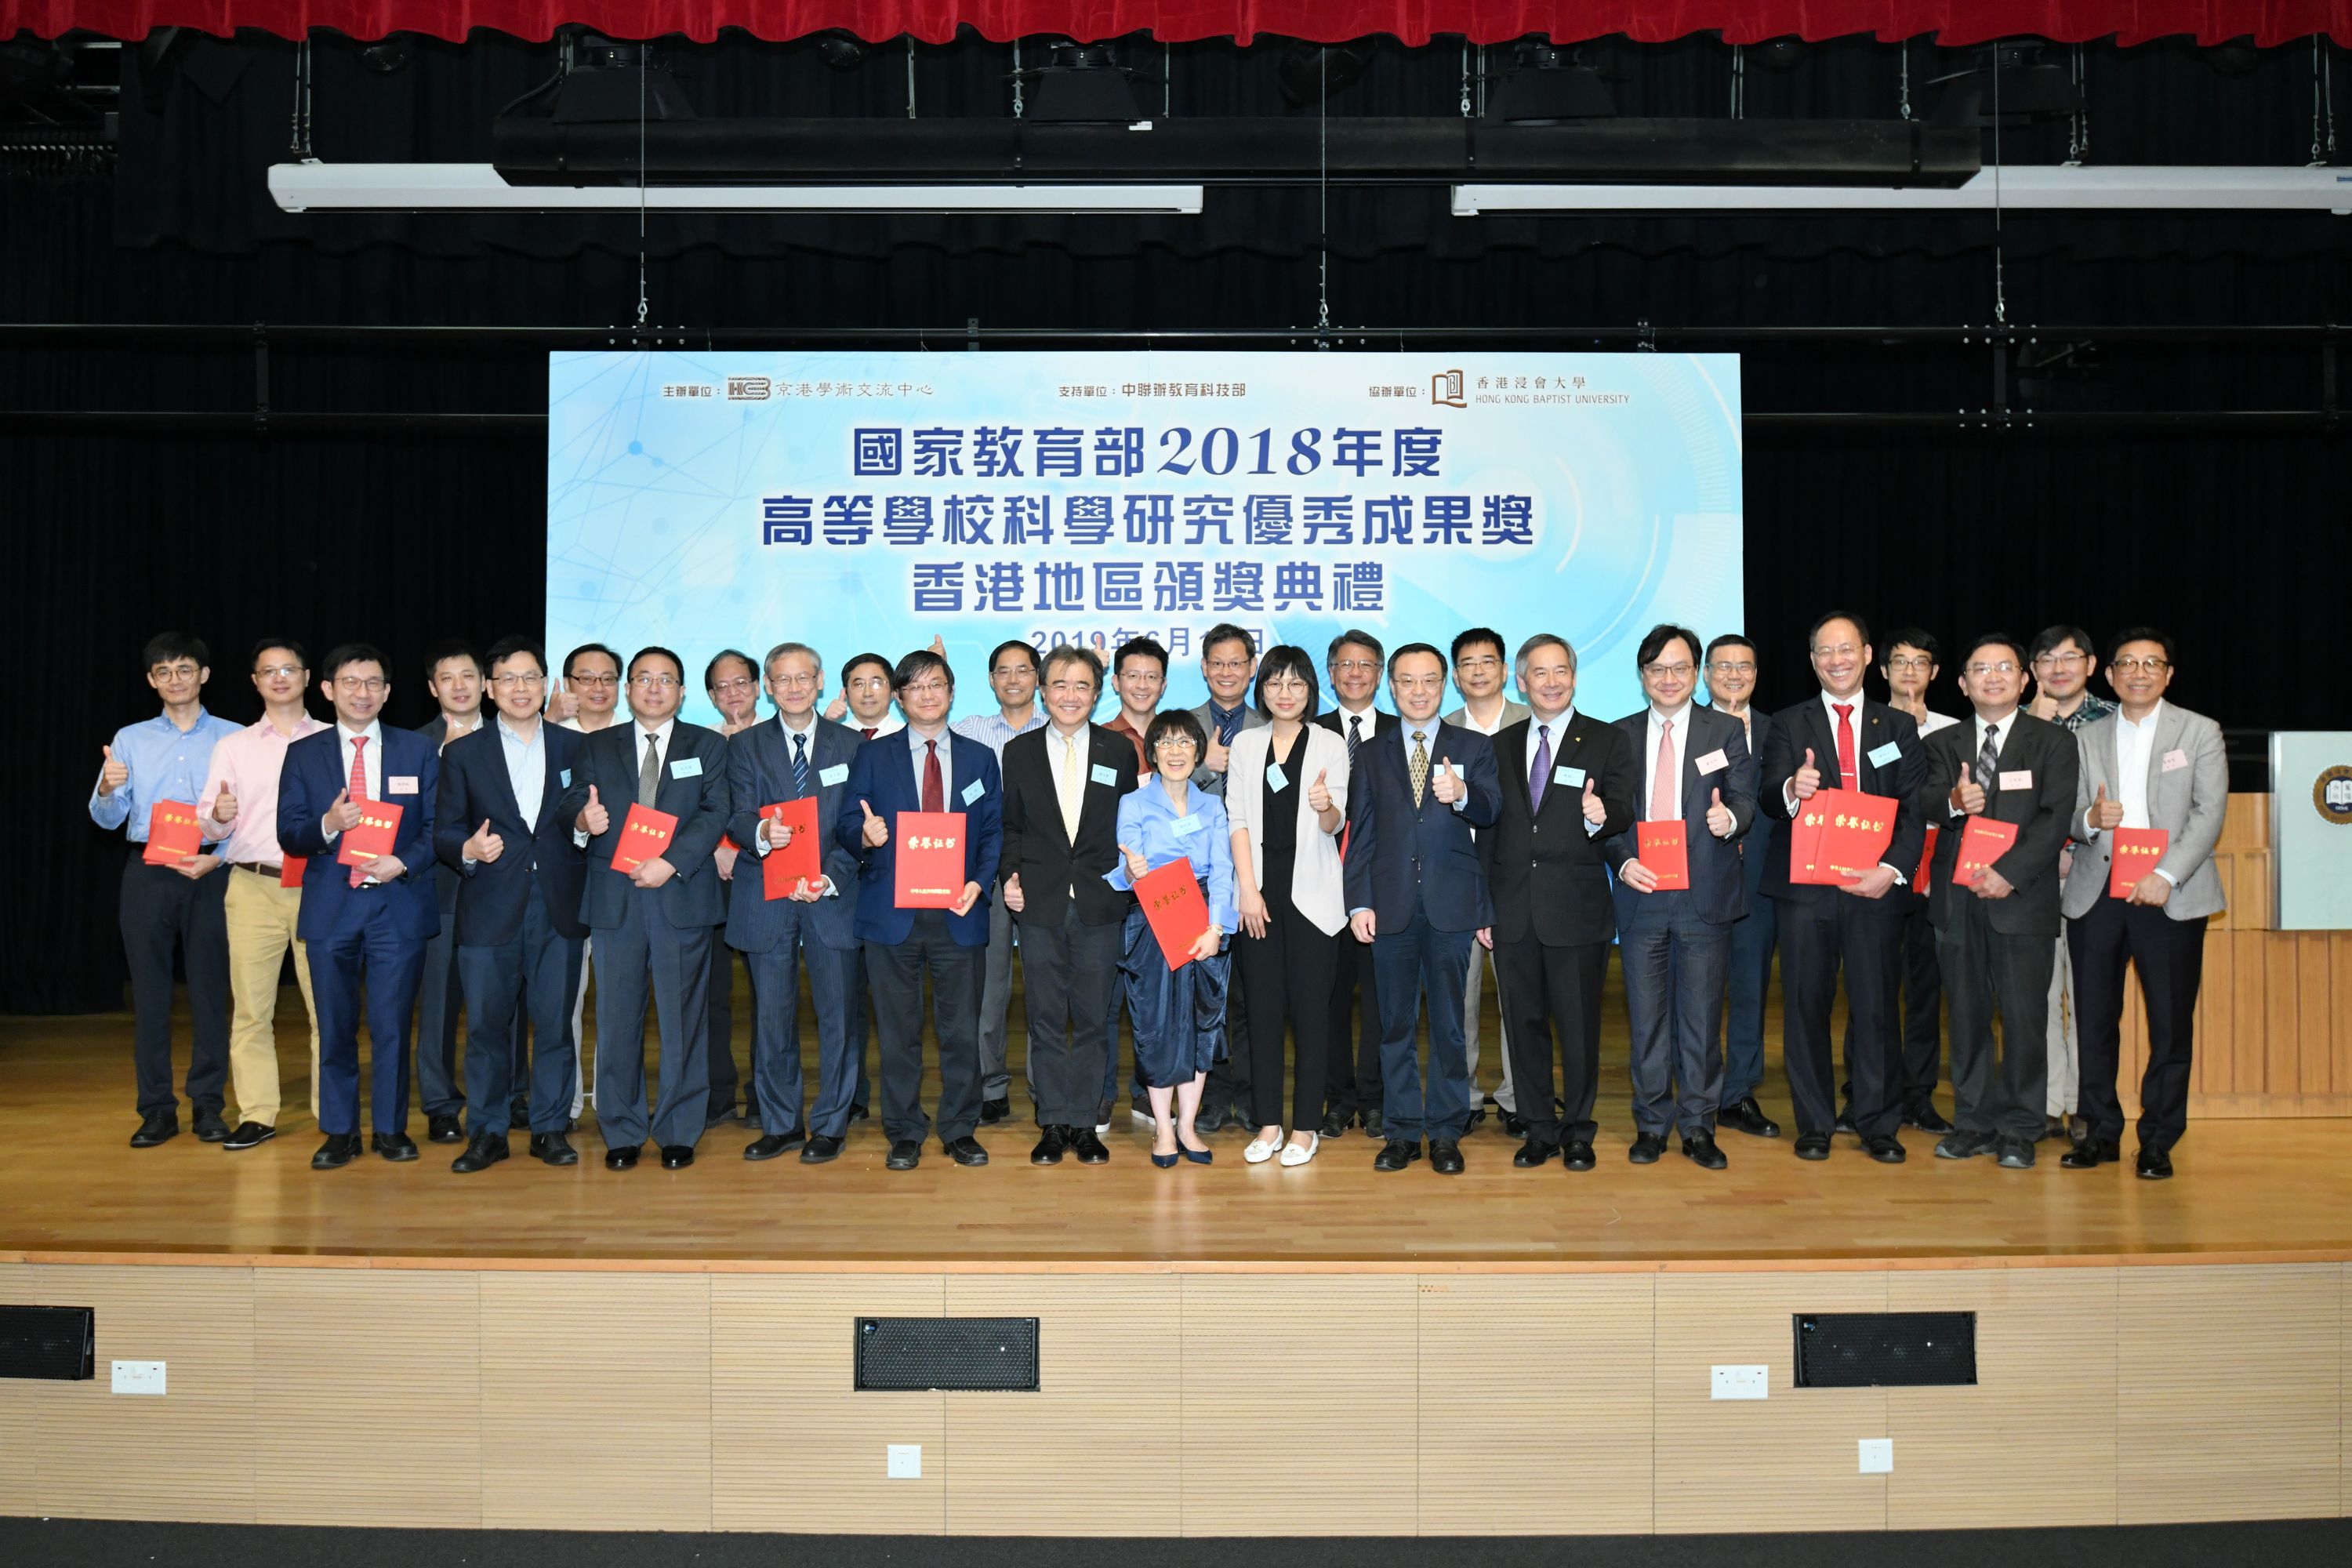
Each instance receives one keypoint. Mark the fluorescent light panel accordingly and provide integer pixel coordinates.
(478, 187)
(2215, 189)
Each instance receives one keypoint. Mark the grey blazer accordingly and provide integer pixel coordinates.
(1512, 714)
(1215, 783)
(2188, 801)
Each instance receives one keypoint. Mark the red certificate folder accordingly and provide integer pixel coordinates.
(1983, 842)
(1921, 879)
(1664, 851)
(931, 859)
(644, 835)
(1171, 901)
(379, 825)
(782, 869)
(172, 834)
(289, 871)
(1852, 832)
(2136, 851)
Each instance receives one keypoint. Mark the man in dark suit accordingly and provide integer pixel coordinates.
(799, 757)
(1731, 691)
(1694, 769)
(362, 924)
(453, 672)
(1839, 734)
(1567, 785)
(1417, 894)
(927, 768)
(1996, 940)
(732, 683)
(1352, 1089)
(1062, 789)
(652, 926)
(499, 833)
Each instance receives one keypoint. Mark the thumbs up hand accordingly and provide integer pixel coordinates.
(225, 806)
(1719, 820)
(114, 774)
(1968, 795)
(343, 815)
(1136, 864)
(1448, 786)
(1318, 793)
(1016, 899)
(1594, 812)
(484, 845)
(2105, 813)
(837, 708)
(593, 817)
(775, 832)
(1808, 780)
(877, 832)
(561, 704)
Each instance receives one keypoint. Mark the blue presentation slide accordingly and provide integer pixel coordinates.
(865, 502)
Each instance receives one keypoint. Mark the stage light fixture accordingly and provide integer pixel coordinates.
(477, 187)
(1549, 86)
(605, 80)
(1776, 54)
(389, 54)
(1081, 84)
(2031, 89)
(2237, 58)
(1310, 73)
(841, 51)
(2220, 188)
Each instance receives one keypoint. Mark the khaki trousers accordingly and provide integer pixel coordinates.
(261, 917)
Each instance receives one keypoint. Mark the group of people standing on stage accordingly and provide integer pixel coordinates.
(1363, 869)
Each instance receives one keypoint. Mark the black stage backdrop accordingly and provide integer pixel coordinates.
(2238, 543)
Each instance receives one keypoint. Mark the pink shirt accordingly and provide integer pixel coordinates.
(249, 763)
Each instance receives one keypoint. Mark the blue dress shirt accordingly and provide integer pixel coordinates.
(166, 763)
(1147, 823)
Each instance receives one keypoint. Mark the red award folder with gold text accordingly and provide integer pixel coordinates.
(289, 871)
(784, 867)
(1171, 897)
(379, 825)
(930, 858)
(1983, 842)
(1845, 832)
(1920, 879)
(172, 834)
(2136, 851)
(1665, 854)
(644, 835)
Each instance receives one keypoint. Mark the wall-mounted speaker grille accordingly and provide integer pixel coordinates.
(59, 1342)
(987, 1355)
(1886, 1350)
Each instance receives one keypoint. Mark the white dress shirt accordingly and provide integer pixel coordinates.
(2134, 746)
(1836, 769)
(915, 743)
(661, 733)
(1976, 733)
(784, 728)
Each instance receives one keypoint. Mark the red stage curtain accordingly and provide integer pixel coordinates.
(1412, 21)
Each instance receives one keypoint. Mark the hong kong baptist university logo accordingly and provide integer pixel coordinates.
(2331, 795)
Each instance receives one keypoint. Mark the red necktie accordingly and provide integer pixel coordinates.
(359, 791)
(1849, 771)
(867, 733)
(935, 794)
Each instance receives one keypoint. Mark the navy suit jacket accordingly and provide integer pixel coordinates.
(759, 774)
(313, 776)
(475, 787)
(608, 762)
(1401, 856)
(1806, 727)
(1716, 884)
(1763, 836)
(882, 776)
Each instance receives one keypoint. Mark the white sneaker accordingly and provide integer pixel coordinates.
(1259, 1150)
(1292, 1154)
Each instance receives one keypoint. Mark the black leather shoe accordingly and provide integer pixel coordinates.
(1745, 1115)
(677, 1156)
(1334, 1124)
(1577, 1155)
(161, 1128)
(2155, 1165)
(210, 1128)
(769, 1145)
(1647, 1147)
(1886, 1150)
(1533, 1155)
(2017, 1154)
(1845, 1121)
(1396, 1155)
(716, 1113)
(1700, 1150)
(1208, 1120)
(397, 1147)
(992, 1111)
(1371, 1121)
(1052, 1146)
(1967, 1146)
(2091, 1153)
(819, 1149)
(1515, 1124)
(484, 1150)
(752, 1121)
(966, 1151)
(518, 1118)
(858, 1113)
(553, 1149)
(1089, 1148)
(2051, 1127)
(249, 1134)
(624, 1159)
(1926, 1117)
(1812, 1145)
(448, 1128)
(905, 1155)
(340, 1150)
(1446, 1159)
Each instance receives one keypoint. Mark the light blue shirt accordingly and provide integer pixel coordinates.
(947, 801)
(166, 763)
(526, 768)
(1146, 822)
(990, 731)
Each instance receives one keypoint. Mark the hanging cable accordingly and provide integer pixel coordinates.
(1903, 89)
(910, 75)
(642, 59)
(1999, 294)
(2078, 120)
(1167, 82)
(1016, 79)
(1738, 82)
(2323, 102)
(1465, 79)
(1323, 184)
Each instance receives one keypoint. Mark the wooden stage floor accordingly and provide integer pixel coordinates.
(2268, 1191)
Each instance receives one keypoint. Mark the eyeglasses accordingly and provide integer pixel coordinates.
(1668, 671)
(511, 680)
(2138, 666)
(1901, 662)
(1007, 671)
(1478, 661)
(1728, 666)
(1228, 666)
(279, 671)
(354, 683)
(1357, 664)
(1999, 666)
(1173, 743)
(175, 671)
(594, 681)
(1843, 650)
(1285, 682)
(1065, 688)
(790, 682)
(735, 688)
(925, 689)
(653, 682)
(2059, 661)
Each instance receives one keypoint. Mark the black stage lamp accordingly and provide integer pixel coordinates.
(1081, 84)
(841, 51)
(1312, 72)
(1549, 85)
(608, 81)
(2031, 89)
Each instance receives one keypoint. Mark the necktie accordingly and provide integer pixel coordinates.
(359, 791)
(1849, 771)
(1071, 787)
(867, 732)
(1989, 755)
(1664, 804)
(1541, 775)
(800, 765)
(649, 776)
(935, 789)
(1355, 733)
(1420, 769)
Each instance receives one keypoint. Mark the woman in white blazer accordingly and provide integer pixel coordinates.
(1286, 797)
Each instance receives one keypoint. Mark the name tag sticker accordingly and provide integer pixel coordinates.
(1889, 752)
(2175, 760)
(563, 777)
(1274, 778)
(401, 783)
(972, 792)
(1572, 777)
(1104, 774)
(1187, 825)
(686, 768)
(837, 774)
(1715, 762)
(2017, 778)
